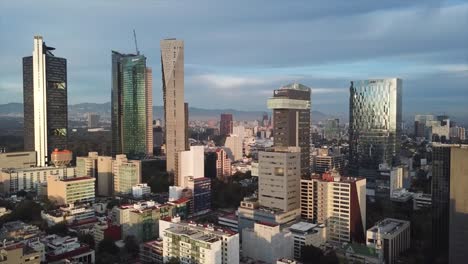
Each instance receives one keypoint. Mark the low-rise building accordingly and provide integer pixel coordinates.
(19, 254)
(422, 200)
(18, 231)
(20, 159)
(267, 242)
(359, 253)
(392, 236)
(68, 191)
(141, 190)
(213, 245)
(62, 249)
(305, 234)
(230, 221)
(152, 252)
(106, 229)
(69, 214)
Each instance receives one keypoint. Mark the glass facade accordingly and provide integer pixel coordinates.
(374, 126)
(129, 122)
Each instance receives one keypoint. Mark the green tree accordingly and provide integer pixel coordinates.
(131, 246)
(107, 245)
(58, 229)
(87, 239)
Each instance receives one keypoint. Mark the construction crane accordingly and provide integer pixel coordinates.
(136, 44)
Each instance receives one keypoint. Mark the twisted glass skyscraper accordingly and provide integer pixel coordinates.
(374, 126)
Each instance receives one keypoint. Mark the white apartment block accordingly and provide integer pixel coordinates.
(192, 164)
(392, 236)
(141, 190)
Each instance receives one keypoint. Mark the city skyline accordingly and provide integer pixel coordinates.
(325, 60)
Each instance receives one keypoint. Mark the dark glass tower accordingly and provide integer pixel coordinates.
(129, 103)
(291, 120)
(374, 126)
(225, 124)
(45, 101)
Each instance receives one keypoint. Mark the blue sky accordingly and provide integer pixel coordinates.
(237, 52)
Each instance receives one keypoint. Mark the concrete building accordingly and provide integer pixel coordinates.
(291, 120)
(457, 132)
(69, 214)
(234, 147)
(45, 102)
(213, 244)
(92, 120)
(328, 159)
(449, 196)
(267, 243)
(332, 130)
(392, 236)
(69, 191)
(192, 165)
(172, 65)
(30, 179)
(151, 252)
(67, 249)
(375, 112)
(18, 160)
(141, 190)
(279, 178)
(305, 234)
(106, 229)
(223, 165)
(239, 131)
(141, 219)
(338, 202)
(389, 180)
(127, 173)
(19, 254)
(225, 124)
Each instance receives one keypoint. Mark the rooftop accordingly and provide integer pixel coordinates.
(296, 86)
(77, 179)
(303, 227)
(389, 226)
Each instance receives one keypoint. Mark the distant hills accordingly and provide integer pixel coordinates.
(79, 110)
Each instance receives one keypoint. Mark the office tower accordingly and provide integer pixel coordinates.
(70, 191)
(392, 236)
(233, 145)
(449, 196)
(332, 129)
(225, 124)
(291, 120)
(127, 173)
(279, 179)
(420, 121)
(223, 165)
(239, 131)
(339, 202)
(93, 120)
(45, 101)
(175, 110)
(456, 133)
(374, 126)
(200, 188)
(129, 104)
(87, 166)
(149, 111)
(328, 159)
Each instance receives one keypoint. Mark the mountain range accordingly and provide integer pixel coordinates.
(77, 111)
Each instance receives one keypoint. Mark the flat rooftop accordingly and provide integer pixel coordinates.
(389, 226)
(303, 227)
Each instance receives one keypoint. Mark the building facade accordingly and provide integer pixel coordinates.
(291, 120)
(70, 191)
(172, 65)
(375, 110)
(20, 159)
(45, 102)
(225, 124)
(234, 147)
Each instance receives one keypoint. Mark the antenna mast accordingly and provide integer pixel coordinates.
(136, 44)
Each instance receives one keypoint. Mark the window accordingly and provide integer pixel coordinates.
(59, 132)
(57, 85)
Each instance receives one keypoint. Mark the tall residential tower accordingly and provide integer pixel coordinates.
(45, 101)
(175, 110)
(374, 126)
(291, 120)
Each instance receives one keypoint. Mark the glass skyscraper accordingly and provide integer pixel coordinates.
(374, 126)
(129, 104)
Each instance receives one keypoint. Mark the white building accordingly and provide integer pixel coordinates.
(305, 234)
(213, 245)
(390, 235)
(59, 249)
(29, 179)
(267, 243)
(141, 190)
(192, 164)
(234, 145)
(70, 214)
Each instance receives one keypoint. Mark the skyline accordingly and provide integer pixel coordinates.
(229, 49)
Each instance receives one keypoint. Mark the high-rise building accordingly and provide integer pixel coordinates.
(45, 101)
(131, 104)
(338, 202)
(420, 121)
(93, 120)
(331, 129)
(449, 196)
(193, 165)
(291, 120)
(149, 110)
(328, 159)
(127, 173)
(233, 146)
(223, 165)
(175, 110)
(374, 127)
(69, 191)
(225, 124)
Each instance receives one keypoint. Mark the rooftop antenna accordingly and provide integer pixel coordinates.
(136, 44)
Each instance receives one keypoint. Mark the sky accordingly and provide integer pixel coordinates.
(237, 52)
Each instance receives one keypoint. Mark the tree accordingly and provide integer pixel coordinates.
(87, 239)
(131, 245)
(106, 258)
(311, 254)
(107, 245)
(58, 229)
